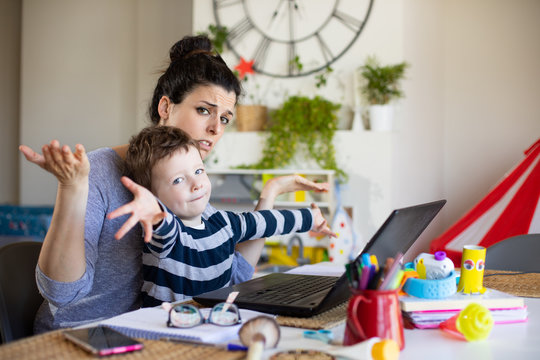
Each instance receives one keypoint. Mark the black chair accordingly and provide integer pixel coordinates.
(19, 297)
(517, 253)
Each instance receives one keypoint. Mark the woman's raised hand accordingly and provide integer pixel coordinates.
(144, 209)
(68, 167)
(290, 183)
(285, 184)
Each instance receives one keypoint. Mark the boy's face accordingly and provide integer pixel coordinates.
(181, 183)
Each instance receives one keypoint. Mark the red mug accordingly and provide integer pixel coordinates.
(374, 313)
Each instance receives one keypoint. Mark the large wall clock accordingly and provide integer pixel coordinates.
(273, 33)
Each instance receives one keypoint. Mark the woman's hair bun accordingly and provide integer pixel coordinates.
(189, 45)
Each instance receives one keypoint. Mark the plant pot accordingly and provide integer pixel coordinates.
(251, 117)
(381, 117)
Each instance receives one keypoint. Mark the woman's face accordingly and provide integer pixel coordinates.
(203, 114)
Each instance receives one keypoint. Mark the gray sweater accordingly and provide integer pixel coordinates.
(112, 282)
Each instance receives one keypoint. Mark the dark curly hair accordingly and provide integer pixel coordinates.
(193, 64)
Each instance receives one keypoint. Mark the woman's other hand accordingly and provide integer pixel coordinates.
(144, 209)
(320, 225)
(68, 167)
(285, 184)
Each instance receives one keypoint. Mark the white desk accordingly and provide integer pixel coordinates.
(506, 341)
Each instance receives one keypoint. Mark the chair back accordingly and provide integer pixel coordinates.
(517, 253)
(19, 296)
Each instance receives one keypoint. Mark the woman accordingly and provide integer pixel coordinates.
(83, 272)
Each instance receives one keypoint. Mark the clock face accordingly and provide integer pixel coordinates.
(274, 33)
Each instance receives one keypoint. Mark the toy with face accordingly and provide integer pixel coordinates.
(472, 270)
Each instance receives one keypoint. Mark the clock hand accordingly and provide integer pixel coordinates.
(276, 12)
(297, 8)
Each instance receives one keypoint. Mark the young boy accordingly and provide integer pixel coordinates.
(189, 245)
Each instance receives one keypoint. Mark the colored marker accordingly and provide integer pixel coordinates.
(365, 278)
(374, 261)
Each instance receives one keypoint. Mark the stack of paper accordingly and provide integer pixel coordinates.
(429, 313)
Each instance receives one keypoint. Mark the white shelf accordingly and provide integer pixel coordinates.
(226, 171)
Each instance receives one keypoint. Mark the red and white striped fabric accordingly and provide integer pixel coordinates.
(511, 208)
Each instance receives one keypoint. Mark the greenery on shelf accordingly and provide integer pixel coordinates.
(217, 35)
(382, 82)
(302, 125)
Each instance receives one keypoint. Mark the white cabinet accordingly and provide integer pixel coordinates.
(239, 189)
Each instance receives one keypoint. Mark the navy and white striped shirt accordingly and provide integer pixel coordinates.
(181, 262)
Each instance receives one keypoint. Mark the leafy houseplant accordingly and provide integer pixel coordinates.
(305, 125)
(381, 85)
(382, 82)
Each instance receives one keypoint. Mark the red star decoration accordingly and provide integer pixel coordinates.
(245, 67)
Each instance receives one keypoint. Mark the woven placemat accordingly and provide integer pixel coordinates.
(53, 345)
(325, 320)
(524, 284)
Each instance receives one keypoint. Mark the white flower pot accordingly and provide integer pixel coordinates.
(381, 117)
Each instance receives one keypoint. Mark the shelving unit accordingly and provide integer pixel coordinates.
(243, 186)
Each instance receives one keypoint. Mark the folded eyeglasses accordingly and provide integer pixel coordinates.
(187, 315)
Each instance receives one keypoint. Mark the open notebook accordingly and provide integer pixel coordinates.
(151, 323)
(307, 295)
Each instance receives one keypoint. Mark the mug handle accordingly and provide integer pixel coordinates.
(357, 327)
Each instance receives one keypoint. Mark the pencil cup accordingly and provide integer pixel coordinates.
(374, 313)
(472, 270)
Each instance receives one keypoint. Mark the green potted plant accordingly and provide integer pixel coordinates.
(381, 85)
(304, 126)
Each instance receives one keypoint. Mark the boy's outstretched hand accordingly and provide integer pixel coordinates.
(144, 209)
(319, 222)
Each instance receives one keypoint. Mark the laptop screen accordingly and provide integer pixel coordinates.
(401, 229)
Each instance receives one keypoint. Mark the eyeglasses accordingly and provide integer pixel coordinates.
(187, 315)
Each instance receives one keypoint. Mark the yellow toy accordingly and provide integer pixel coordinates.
(472, 270)
(473, 323)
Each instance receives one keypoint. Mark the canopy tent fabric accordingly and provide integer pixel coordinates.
(511, 208)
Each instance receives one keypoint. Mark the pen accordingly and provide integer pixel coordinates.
(374, 282)
(374, 261)
(364, 279)
(391, 272)
(229, 347)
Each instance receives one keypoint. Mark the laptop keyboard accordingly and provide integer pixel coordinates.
(292, 290)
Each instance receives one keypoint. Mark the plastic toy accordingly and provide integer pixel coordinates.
(472, 270)
(472, 323)
(433, 266)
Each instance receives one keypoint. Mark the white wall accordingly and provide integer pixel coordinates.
(88, 70)
(10, 32)
(492, 94)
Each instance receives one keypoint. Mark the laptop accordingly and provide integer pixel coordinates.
(307, 295)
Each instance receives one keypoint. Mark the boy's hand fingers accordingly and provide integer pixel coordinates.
(147, 232)
(131, 222)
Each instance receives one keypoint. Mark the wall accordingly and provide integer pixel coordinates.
(10, 33)
(492, 94)
(88, 70)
